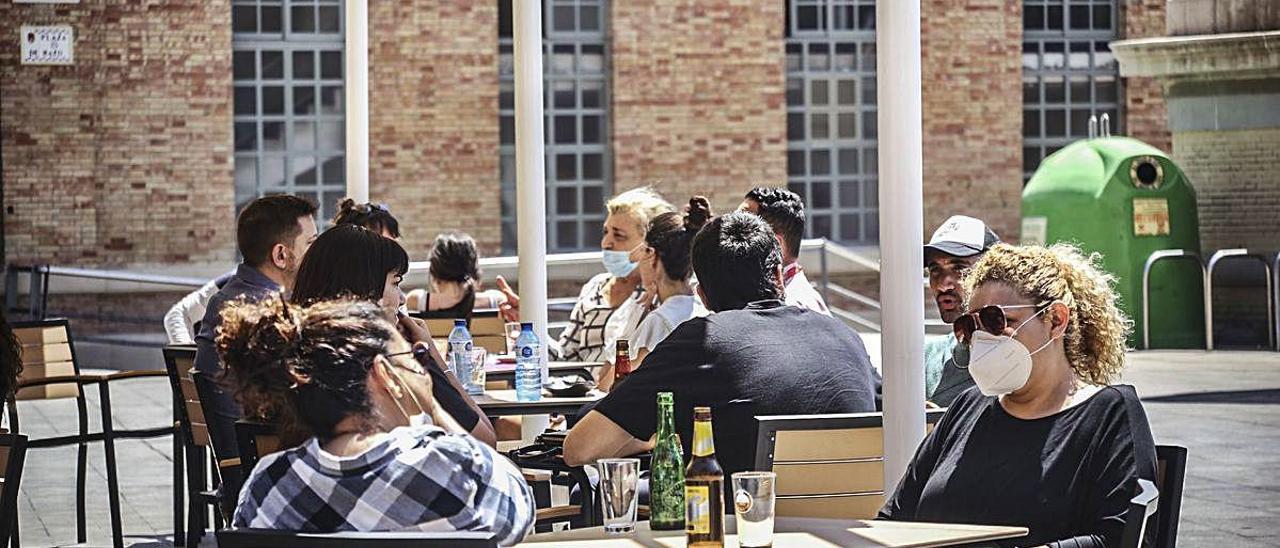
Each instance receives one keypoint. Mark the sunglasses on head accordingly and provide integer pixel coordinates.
(990, 318)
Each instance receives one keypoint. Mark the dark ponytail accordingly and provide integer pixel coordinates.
(375, 217)
(671, 235)
(304, 369)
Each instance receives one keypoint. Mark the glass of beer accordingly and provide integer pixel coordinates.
(618, 494)
(753, 498)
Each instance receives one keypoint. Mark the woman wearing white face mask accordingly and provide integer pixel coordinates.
(600, 315)
(1044, 441)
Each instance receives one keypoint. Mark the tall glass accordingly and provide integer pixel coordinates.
(474, 384)
(618, 494)
(753, 499)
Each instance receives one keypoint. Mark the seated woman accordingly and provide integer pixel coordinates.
(349, 260)
(455, 281)
(383, 453)
(603, 309)
(1045, 441)
(665, 270)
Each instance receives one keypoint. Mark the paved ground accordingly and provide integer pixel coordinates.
(1225, 406)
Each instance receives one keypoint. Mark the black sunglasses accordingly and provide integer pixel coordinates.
(990, 318)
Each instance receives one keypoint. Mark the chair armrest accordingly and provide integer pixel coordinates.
(62, 379)
(558, 513)
(125, 375)
(229, 463)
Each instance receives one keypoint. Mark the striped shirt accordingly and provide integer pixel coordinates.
(416, 478)
(588, 337)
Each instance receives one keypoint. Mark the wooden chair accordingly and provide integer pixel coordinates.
(256, 440)
(828, 466)
(202, 493)
(488, 331)
(13, 451)
(1171, 472)
(1141, 508)
(51, 371)
(259, 538)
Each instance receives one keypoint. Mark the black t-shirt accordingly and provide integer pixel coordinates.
(766, 359)
(452, 401)
(1067, 477)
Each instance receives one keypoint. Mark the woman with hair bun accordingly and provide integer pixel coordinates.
(455, 281)
(381, 453)
(375, 217)
(665, 272)
(1044, 440)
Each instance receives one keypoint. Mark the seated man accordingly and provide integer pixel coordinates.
(754, 356)
(784, 211)
(952, 250)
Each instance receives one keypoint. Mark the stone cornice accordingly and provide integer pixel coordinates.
(1244, 56)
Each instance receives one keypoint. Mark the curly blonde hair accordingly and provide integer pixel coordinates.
(1096, 331)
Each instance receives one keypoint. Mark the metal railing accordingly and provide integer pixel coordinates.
(1146, 289)
(1271, 283)
(1218, 257)
(830, 253)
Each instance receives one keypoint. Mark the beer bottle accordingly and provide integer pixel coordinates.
(622, 361)
(666, 486)
(703, 487)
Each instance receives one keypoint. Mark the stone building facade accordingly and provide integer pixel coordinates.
(133, 156)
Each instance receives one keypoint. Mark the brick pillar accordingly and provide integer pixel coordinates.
(433, 126)
(698, 97)
(1146, 117)
(123, 158)
(972, 76)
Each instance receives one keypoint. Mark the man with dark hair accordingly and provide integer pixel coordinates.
(754, 356)
(272, 234)
(784, 211)
(952, 250)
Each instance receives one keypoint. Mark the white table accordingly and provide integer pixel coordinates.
(798, 532)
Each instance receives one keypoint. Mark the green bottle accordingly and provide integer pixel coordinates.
(666, 485)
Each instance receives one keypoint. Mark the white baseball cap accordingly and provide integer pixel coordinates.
(962, 236)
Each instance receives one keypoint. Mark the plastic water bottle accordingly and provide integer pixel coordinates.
(528, 364)
(460, 353)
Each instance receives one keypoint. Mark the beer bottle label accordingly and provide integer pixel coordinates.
(697, 516)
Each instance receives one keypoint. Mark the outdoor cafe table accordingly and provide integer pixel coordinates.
(806, 532)
(498, 403)
(507, 371)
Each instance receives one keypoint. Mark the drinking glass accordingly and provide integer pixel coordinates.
(475, 384)
(618, 494)
(753, 499)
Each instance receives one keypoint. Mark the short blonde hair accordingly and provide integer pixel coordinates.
(643, 203)
(1096, 333)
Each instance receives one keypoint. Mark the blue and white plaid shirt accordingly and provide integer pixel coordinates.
(417, 478)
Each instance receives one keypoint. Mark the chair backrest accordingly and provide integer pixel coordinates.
(1141, 507)
(47, 351)
(13, 451)
(828, 466)
(1171, 471)
(487, 331)
(178, 362)
(255, 440)
(259, 538)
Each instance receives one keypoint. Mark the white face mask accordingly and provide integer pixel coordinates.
(1000, 364)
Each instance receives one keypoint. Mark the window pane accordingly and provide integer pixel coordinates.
(846, 125)
(304, 136)
(1031, 123)
(795, 92)
(1033, 17)
(304, 100)
(850, 227)
(566, 128)
(808, 18)
(1104, 88)
(1080, 122)
(302, 19)
(848, 158)
(1080, 17)
(1030, 90)
(1055, 123)
(592, 167)
(846, 93)
(331, 136)
(272, 172)
(795, 126)
(818, 126)
(1080, 89)
(819, 162)
(304, 170)
(567, 235)
(566, 167)
(244, 19)
(589, 18)
(592, 201)
(592, 129)
(592, 94)
(795, 162)
(331, 100)
(821, 226)
(592, 60)
(246, 136)
(819, 58)
(567, 200)
(246, 176)
(329, 19)
(818, 95)
(563, 94)
(272, 65)
(273, 136)
(1054, 89)
(846, 54)
(331, 65)
(246, 101)
(335, 171)
(304, 65)
(270, 21)
(820, 195)
(243, 65)
(272, 100)
(850, 194)
(869, 125)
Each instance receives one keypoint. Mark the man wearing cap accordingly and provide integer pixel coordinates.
(955, 246)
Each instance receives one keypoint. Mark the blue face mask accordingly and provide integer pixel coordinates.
(618, 263)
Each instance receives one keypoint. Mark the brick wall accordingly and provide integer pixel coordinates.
(1234, 173)
(124, 157)
(433, 124)
(1146, 118)
(698, 97)
(972, 95)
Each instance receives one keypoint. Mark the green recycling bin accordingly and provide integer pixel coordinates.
(1125, 199)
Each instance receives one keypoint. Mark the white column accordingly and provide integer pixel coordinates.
(901, 232)
(531, 184)
(357, 100)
